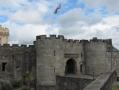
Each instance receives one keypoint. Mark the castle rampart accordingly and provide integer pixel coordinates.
(56, 55)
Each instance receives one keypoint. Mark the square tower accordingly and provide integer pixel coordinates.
(4, 34)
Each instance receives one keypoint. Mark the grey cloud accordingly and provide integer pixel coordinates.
(111, 5)
(74, 24)
(78, 15)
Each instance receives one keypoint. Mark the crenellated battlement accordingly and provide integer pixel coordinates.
(73, 41)
(17, 46)
(4, 31)
(50, 37)
(41, 37)
(95, 39)
(57, 37)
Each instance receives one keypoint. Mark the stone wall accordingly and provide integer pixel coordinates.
(17, 61)
(103, 82)
(49, 57)
(115, 61)
(52, 55)
(71, 83)
(96, 57)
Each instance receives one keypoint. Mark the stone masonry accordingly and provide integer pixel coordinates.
(38, 65)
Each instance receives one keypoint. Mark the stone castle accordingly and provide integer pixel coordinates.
(38, 65)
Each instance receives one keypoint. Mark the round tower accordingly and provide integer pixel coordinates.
(4, 34)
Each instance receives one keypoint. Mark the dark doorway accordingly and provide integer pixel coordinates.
(70, 67)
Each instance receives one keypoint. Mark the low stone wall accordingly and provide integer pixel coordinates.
(71, 83)
(103, 82)
(46, 88)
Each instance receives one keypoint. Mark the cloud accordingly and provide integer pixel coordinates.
(76, 15)
(74, 24)
(26, 21)
(111, 5)
(26, 34)
(12, 2)
(29, 14)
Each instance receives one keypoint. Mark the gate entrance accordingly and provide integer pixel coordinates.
(70, 67)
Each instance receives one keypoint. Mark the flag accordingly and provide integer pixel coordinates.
(56, 10)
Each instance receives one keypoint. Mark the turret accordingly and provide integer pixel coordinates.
(4, 34)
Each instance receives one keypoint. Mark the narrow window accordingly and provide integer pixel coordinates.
(4, 66)
(54, 53)
(0, 40)
(13, 57)
(81, 68)
(81, 55)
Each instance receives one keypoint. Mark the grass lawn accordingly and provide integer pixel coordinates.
(115, 87)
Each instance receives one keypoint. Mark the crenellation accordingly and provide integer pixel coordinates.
(15, 45)
(52, 37)
(31, 46)
(76, 41)
(6, 45)
(109, 41)
(84, 41)
(70, 40)
(95, 39)
(61, 37)
(34, 42)
(41, 37)
(23, 45)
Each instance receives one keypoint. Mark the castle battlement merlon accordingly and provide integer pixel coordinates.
(4, 28)
(58, 37)
(95, 39)
(50, 37)
(17, 46)
(73, 41)
(84, 41)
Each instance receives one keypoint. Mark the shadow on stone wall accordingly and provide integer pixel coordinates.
(70, 83)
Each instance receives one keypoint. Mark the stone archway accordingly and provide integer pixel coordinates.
(70, 67)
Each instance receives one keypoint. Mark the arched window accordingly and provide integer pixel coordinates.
(70, 67)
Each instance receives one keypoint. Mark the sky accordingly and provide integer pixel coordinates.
(76, 19)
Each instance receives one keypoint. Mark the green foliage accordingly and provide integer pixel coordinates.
(17, 84)
(28, 77)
